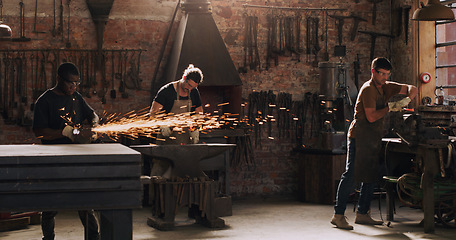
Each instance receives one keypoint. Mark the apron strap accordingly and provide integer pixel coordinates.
(177, 92)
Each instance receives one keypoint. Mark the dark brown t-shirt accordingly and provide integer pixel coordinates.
(367, 98)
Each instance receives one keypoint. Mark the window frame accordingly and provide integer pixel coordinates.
(444, 44)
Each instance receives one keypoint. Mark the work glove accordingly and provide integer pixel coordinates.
(95, 120)
(165, 131)
(398, 105)
(78, 135)
(194, 136)
(68, 132)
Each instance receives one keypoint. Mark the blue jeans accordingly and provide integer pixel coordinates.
(346, 185)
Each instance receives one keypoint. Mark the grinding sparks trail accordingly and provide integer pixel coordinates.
(134, 124)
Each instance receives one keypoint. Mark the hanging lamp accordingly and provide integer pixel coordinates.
(5, 30)
(433, 11)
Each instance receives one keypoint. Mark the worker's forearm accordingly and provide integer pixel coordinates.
(412, 91)
(377, 114)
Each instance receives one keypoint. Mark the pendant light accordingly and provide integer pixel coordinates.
(5, 30)
(433, 11)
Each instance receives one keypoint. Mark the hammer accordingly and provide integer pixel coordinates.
(356, 20)
(340, 25)
(406, 9)
(374, 10)
(374, 36)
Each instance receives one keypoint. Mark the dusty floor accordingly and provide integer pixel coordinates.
(259, 219)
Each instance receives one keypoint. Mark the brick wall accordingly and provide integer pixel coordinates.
(142, 24)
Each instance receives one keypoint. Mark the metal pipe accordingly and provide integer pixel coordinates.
(295, 8)
(71, 50)
(162, 51)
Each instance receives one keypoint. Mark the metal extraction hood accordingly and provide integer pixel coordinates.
(198, 41)
(100, 9)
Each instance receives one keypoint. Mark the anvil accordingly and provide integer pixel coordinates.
(184, 158)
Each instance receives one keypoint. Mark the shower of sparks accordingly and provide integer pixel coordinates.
(135, 124)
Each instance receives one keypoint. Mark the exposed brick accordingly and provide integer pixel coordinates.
(130, 26)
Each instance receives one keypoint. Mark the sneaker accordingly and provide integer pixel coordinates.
(366, 219)
(341, 222)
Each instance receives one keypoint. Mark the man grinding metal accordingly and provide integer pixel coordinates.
(177, 97)
(364, 141)
(58, 115)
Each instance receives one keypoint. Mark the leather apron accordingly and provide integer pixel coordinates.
(162, 167)
(180, 106)
(368, 146)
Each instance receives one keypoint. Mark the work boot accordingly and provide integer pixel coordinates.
(341, 222)
(366, 219)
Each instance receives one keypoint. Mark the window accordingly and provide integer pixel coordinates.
(445, 52)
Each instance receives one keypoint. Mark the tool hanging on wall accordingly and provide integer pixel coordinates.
(113, 93)
(53, 62)
(374, 10)
(68, 44)
(325, 19)
(356, 21)
(297, 36)
(60, 29)
(24, 79)
(251, 56)
(284, 105)
(54, 29)
(24, 69)
(315, 45)
(271, 41)
(397, 26)
(288, 36)
(22, 37)
(406, 10)
(104, 81)
(133, 72)
(292, 37)
(308, 46)
(312, 38)
(93, 74)
(339, 50)
(35, 20)
(374, 36)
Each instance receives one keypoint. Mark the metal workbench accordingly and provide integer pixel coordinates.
(104, 177)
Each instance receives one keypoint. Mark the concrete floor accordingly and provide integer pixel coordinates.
(259, 219)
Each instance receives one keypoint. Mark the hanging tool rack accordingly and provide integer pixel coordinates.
(26, 73)
(285, 35)
(294, 8)
(297, 120)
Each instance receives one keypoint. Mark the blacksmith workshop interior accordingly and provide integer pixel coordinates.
(282, 83)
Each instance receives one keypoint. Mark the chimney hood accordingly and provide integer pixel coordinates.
(198, 41)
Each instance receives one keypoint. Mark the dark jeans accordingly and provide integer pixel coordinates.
(346, 185)
(48, 223)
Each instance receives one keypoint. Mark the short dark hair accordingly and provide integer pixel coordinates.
(193, 73)
(67, 69)
(381, 63)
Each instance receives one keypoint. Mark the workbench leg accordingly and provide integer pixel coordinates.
(116, 224)
(428, 202)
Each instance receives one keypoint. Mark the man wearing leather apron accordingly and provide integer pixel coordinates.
(177, 97)
(364, 142)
